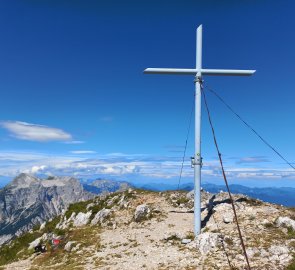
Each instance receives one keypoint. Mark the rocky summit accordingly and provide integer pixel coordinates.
(137, 229)
(29, 201)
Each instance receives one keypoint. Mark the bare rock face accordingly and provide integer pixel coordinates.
(142, 212)
(280, 253)
(286, 222)
(101, 216)
(81, 219)
(64, 223)
(28, 201)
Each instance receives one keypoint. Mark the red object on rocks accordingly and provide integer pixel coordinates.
(55, 241)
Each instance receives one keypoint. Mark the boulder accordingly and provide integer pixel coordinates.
(208, 241)
(286, 222)
(173, 235)
(190, 195)
(68, 247)
(100, 216)
(185, 241)
(142, 212)
(37, 241)
(82, 219)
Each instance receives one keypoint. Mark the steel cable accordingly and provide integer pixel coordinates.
(250, 127)
(225, 180)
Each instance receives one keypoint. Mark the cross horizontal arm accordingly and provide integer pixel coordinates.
(192, 71)
(227, 72)
(177, 71)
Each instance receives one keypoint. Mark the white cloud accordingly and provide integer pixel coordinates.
(33, 132)
(82, 152)
(36, 169)
(74, 142)
(123, 166)
(258, 159)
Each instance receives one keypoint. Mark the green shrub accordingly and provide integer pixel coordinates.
(190, 236)
(182, 200)
(50, 225)
(77, 207)
(291, 266)
(269, 225)
(253, 202)
(17, 248)
(291, 233)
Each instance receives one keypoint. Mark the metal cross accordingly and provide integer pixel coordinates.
(198, 72)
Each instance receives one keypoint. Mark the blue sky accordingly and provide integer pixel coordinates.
(74, 99)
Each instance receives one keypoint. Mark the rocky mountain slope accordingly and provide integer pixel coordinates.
(28, 201)
(138, 229)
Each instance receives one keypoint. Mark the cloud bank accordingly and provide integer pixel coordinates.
(126, 167)
(33, 132)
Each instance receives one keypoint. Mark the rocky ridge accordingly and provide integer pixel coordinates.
(137, 229)
(104, 186)
(28, 201)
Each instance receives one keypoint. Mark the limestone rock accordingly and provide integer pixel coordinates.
(29, 201)
(81, 219)
(5, 238)
(89, 205)
(190, 195)
(208, 241)
(228, 218)
(68, 247)
(64, 224)
(100, 216)
(142, 212)
(37, 241)
(286, 222)
(42, 226)
(185, 241)
(278, 250)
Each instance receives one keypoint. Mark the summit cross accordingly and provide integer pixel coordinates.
(198, 72)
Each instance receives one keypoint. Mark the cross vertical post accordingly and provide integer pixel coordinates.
(198, 159)
(198, 72)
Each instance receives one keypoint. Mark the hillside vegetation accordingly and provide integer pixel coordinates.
(137, 229)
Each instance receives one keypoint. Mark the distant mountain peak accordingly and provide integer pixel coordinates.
(24, 180)
(102, 186)
(28, 201)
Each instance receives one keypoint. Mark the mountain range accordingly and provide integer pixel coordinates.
(28, 201)
(279, 195)
(103, 186)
